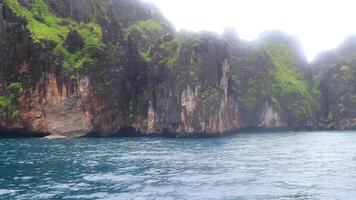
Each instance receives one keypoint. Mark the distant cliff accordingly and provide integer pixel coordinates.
(335, 77)
(110, 66)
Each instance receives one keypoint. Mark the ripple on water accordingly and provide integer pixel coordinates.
(3, 192)
(110, 177)
(318, 165)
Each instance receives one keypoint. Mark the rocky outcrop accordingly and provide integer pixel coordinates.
(111, 67)
(55, 108)
(270, 118)
(334, 73)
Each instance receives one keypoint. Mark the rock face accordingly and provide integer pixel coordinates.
(335, 73)
(270, 117)
(109, 67)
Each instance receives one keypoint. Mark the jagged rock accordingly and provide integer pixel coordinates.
(334, 73)
(106, 67)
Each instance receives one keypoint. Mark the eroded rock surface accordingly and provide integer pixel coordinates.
(69, 68)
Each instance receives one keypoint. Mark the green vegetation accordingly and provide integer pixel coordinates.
(339, 80)
(72, 77)
(290, 85)
(279, 81)
(330, 117)
(4, 102)
(145, 27)
(91, 33)
(17, 87)
(288, 78)
(73, 60)
(148, 32)
(341, 107)
(252, 83)
(44, 25)
(9, 101)
(173, 50)
(146, 55)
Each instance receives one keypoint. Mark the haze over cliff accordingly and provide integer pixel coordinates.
(116, 66)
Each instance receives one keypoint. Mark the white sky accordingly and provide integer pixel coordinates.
(319, 24)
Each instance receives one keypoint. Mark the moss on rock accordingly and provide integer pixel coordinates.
(10, 98)
(44, 25)
(290, 85)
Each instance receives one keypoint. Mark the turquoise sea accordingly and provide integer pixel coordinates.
(287, 165)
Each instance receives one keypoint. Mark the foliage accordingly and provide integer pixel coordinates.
(338, 80)
(146, 57)
(46, 26)
(9, 101)
(16, 86)
(144, 27)
(173, 50)
(290, 84)
(72, 77)
(146, 33)
(251, 82)
(4, 102)
(91, 33)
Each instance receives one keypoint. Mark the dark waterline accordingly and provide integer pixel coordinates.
(285, 165)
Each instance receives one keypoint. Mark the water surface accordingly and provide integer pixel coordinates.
(315, 165)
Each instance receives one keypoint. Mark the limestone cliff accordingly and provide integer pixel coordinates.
(111, 67)
(335, 73)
